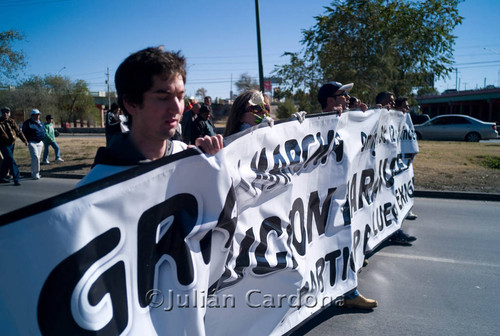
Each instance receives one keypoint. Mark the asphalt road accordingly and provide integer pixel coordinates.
(445, 284)
(31, 191)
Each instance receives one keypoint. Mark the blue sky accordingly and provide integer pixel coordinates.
(82, 38)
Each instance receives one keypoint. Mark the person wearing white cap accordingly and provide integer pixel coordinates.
(35, 133)
(334, 97)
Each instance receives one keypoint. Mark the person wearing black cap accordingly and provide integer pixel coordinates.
(334, 97)
(8, 132)
(35, 133)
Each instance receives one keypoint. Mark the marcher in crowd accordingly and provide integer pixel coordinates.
(207, 101)
(249, 109)
(188, 119)
(356, 104)
(189, 103)
(150, 88)
(401, 104)
(202, 125)
(35, 133)
(385, 100)
(50, 140)
(8, 132)
(334, 97)
(113, 122)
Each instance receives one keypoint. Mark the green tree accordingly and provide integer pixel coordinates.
(246, 82)
(307, 102)
(55, 95)
(279, 94)
(286, 109)
(377, 44)
(427, 91)
(11, 61)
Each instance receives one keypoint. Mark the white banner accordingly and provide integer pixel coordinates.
(254, 240)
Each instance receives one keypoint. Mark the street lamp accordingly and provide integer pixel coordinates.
(61, 70)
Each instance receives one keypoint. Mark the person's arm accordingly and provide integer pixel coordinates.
(20, 134)
(26, 129)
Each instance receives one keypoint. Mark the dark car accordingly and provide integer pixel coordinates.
(456, 127)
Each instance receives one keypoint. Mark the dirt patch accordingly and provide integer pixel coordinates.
(458, 166)
(454, 166)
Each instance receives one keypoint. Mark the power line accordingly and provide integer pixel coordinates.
(480, 62)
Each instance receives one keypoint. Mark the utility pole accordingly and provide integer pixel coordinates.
(231, 88)
(259, 49)
(107, 82)
(456, 79)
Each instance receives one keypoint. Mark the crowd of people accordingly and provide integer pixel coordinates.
(34, 134)
(150, 86)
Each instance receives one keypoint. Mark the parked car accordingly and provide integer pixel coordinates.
(418, 119)
(456, 127)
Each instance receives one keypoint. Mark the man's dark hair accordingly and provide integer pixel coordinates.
(205, 109)
(135, 74)
(399, 101)
(114, 107)
(382, 96)
(48, 117)
(353, 100)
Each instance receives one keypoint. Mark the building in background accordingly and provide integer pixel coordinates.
(482, 104)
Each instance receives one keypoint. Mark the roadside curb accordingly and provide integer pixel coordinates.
(55, 175)
(459, 195)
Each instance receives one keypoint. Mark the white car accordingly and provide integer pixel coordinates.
(456, 127)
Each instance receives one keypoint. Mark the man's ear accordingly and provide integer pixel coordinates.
(130, 107)
(330, 101)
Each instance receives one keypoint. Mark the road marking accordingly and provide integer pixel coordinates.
(441, 260)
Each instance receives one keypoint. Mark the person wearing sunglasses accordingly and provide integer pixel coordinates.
(334, 97)
(356, 104)
(249, 109)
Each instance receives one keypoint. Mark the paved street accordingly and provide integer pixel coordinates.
(445, 284)
(32, 191)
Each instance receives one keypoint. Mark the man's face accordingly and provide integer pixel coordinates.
(196, 108)
(337, 100)
(204, 115)
(405, 107)
(161, 110)
(389, 102)
(208, 101)
(6, 114)
(35, 117)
